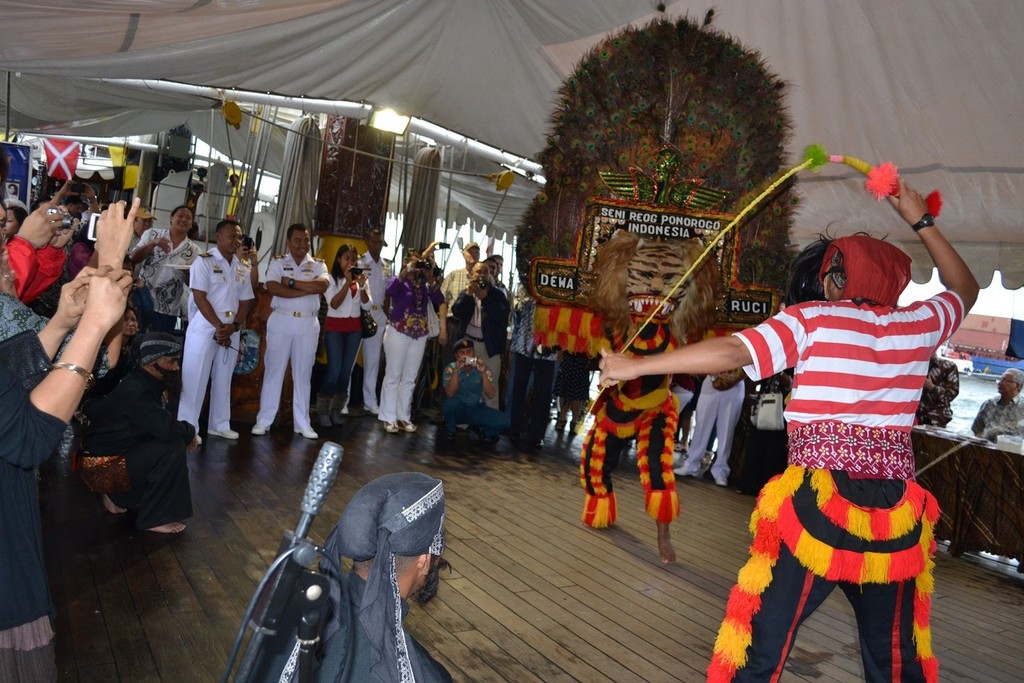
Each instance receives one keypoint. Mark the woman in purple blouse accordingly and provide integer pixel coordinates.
(405, 338)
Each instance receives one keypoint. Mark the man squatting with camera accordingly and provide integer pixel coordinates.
(467, 382)
(482, 312)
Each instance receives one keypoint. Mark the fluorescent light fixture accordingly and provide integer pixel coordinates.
(389, 120)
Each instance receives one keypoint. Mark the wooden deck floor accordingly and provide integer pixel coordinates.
(534, 595)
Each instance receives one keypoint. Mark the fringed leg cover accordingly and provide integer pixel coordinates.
(660, 499)
(774, 521)
(599, 506)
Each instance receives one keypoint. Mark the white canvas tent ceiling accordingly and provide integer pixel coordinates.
(932, 85)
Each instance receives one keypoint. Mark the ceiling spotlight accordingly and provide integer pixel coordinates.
(389, 120)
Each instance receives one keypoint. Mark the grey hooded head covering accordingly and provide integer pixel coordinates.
(397, 514)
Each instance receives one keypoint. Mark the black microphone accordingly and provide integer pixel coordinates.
(325, 470)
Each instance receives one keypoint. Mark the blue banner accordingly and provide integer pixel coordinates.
(18, 183)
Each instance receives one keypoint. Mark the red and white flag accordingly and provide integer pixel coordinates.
(61, 158)
(490, 246)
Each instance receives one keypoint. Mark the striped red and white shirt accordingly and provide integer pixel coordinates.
(858, 365)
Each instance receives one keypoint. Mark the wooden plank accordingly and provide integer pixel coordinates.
(534, 595)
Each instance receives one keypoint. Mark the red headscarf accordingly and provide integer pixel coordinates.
(874, 270)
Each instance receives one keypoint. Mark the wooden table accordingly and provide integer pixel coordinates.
(980, 491)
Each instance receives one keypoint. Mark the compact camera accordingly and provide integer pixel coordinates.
(356, 271)
(91, 232)
(424, 264)
(471, 360)
(67, 220)
(482, 283)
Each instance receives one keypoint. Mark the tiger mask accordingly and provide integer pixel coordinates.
(634, 275)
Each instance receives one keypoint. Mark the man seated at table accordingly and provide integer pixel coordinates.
(1003, 415)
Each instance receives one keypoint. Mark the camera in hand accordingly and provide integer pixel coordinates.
(355, 271)
(471, 360)
(90, 233)
(424, 264)
(67, 220)
(442, 245)
(482, 283)
(248, 242)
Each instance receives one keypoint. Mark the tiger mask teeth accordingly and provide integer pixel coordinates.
(645, 304)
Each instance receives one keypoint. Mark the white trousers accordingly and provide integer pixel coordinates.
(371, 362)
(204, 359)
(289, 340)
(721, 410)
(404, 356)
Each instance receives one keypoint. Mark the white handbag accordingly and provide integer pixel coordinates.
(767, 415)
(433, 324)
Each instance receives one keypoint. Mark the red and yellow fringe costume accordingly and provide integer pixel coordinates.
(775, 522)
(634, 409)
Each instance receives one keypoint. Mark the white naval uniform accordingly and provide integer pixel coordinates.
(292, 334)
(372, 345)
(225, 284)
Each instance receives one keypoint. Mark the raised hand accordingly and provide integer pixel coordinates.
(114, 233)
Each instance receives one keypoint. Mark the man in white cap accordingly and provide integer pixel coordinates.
(143, 222)
(454, 284)
(219, 300)
(393, 530)
(296, 281)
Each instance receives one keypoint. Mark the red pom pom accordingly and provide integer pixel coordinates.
(934, 202)
(883, 180)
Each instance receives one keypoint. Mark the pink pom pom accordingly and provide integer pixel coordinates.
(883, 180)
(934, 203)
(835, 158)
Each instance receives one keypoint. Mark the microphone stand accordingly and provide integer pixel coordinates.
(287, 584)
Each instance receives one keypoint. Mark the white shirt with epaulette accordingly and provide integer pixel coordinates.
(310, 269)
(225, 283)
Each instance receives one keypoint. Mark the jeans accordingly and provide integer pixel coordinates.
(490, 421)
(342, 348)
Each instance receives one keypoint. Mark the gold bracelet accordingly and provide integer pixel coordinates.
(78, 370)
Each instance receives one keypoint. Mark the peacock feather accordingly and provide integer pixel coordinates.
(668, 85)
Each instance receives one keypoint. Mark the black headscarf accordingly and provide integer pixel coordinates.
(152, 346)
(397, 514)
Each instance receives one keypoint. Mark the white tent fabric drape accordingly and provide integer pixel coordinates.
(935, 87)
(420, 215)
(300, 177)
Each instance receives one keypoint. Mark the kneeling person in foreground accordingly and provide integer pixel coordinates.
(393, 530)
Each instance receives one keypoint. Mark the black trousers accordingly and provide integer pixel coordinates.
(158, 471)
(530, 418)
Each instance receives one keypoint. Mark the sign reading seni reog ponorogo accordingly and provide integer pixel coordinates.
(569, 281)
(660, 223)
